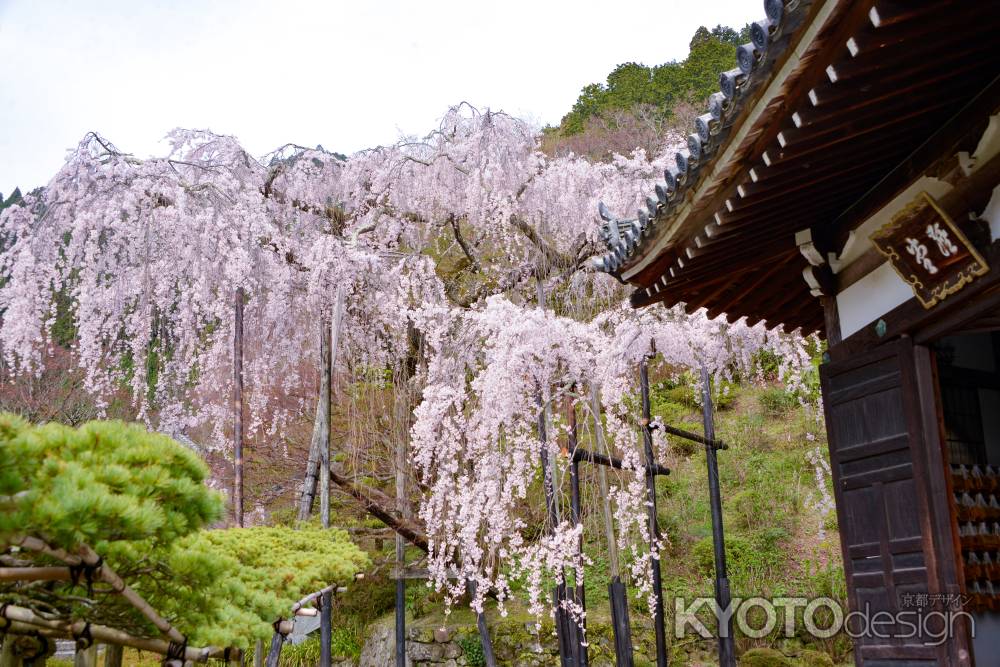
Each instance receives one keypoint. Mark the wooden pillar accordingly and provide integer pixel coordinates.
(258, 653)
(238, 408)
(113, 655)
(831, 318)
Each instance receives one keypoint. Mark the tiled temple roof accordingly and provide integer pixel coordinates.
(627, 238)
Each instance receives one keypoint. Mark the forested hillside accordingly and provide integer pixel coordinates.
(639, 104)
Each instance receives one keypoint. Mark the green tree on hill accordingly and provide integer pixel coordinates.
(632, 87)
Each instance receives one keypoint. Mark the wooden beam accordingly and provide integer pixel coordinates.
(942, 142)
(750, 286)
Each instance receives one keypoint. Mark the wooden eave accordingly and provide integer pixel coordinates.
(857, 91)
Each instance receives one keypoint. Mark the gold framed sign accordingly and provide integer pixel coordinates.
(929, 251)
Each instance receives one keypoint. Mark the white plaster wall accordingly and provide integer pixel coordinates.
(871, 297)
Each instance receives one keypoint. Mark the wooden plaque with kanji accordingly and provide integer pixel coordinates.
(929, 251)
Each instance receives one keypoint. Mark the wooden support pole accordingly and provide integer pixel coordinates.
(85, 657)
(601, 447)
(326, 630)
(238, 408)
(489, 657)
(727, 651)
(577, 518)
(274, 655)
(617, 596)
(552, 516)
(258, 653)
(112, 655)
(620, 621)
(602, 461)
(25, 621)
(103, 573)
(654, 527)
(402, 408)
(325, 434)
(400, 619)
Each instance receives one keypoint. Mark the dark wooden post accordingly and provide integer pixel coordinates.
(654, 527)
(576, 518)
(400, 616)
(326, 629)
(489, 658)
(238, 408)
(277, 639)
(727, 653)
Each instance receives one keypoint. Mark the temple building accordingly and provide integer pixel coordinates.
(844, 180)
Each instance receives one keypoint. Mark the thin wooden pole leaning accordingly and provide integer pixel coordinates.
(654, 527)
(620, 625)
(238, 407)
(727, 653)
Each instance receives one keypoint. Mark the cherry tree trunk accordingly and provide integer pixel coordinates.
(238, 408)
(328, 357)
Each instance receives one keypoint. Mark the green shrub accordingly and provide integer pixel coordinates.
(810, 658)
(752, 508)
(765, 657)
(775, 401)
(765, 365)
(737, 550)
(472, 649)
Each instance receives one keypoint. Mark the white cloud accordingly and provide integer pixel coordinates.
(345, 75)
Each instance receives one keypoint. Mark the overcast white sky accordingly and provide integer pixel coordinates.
(344, 75)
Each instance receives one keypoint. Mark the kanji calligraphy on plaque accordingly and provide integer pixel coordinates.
(929, 251)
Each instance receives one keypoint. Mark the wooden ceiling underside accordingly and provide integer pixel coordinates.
(872, 88)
